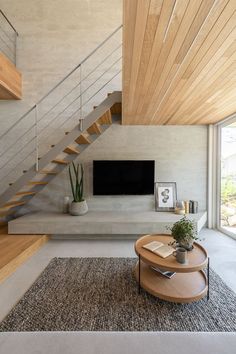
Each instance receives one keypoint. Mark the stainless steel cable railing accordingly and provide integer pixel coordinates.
(8, 38)
(61, 109)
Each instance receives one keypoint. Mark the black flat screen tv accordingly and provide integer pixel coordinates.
(123, 177)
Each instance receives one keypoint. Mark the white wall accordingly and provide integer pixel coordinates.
(180, 153)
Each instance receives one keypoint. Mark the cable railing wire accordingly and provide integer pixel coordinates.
(41, 118)
(61, 81)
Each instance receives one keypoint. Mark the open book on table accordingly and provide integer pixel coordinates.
(159, 248)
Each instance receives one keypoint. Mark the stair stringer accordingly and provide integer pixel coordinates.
(91, 118)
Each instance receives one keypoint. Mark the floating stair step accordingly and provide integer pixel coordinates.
(61, 162)
(48, 172)
(14, 203)
(116, 108)
(25, 193)
(71, 150)
(38, 183)
(83, 139)
(95, 129)
(106, 118)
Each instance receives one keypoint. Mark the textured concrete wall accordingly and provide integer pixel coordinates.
(180, 153)
(55, 35)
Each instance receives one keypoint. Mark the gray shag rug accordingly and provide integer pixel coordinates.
(100, 294)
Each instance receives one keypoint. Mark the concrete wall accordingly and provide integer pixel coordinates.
(180, 153)
(55, 35)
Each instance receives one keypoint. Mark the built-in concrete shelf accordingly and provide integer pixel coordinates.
(100, 223)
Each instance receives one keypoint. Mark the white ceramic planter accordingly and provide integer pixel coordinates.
(78, 208)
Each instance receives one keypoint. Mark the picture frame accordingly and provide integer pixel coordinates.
(165, 196)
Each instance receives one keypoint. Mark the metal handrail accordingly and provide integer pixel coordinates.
(9, 22)
(70, 105)
(64, 109)
(61, 81)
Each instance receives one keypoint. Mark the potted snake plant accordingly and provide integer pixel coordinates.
(79, 205)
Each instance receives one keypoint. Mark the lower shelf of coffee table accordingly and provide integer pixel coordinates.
(181, 288)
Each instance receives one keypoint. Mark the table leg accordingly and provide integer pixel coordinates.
(208, 279)
(139, 273)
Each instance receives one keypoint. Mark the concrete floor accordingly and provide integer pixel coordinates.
(222, 251)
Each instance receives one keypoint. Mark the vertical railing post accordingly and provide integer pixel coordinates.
(36, 139)
(80, 101)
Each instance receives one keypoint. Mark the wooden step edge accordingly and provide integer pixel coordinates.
(71, 150)
(10, 267)
(14, 203)
(116, 108)
(106, 118)
(61, 162)
(83, 140)
(95, 128)
(37, 183)
(25, 193)
(48, 172)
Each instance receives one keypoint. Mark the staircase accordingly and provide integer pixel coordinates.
(55, 131)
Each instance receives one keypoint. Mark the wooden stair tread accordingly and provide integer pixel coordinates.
(26, 193)
(82, 139)
(71, 150)
(37, 183)
(14, 203)
(48, 172)
(95, 128)
(106, 118)
(61, 162)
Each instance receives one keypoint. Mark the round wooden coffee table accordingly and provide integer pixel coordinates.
(189, 284)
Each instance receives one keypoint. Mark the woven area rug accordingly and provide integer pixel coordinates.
(100, 294)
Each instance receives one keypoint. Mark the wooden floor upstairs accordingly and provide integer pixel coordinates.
(16, 249)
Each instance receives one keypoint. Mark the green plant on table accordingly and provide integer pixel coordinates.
(76, 174)
(184, 232)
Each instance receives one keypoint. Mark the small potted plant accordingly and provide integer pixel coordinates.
(184, 233)
(79, 205)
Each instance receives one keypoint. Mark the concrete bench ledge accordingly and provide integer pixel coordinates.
(100, 223)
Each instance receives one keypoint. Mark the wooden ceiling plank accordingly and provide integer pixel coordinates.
(177, 92)
(185, 48)
(139, 33)
(159, 78)
(165, 16)
(130, 7)
(206, 108)
(185, 71)
(168, 40)
(150, 32)
(199, 77)
(209, 74)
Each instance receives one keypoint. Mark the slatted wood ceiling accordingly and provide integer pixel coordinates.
(179, 62)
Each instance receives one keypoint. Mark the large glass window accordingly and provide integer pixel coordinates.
(227, 212)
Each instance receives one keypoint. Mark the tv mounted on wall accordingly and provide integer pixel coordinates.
(123, 177)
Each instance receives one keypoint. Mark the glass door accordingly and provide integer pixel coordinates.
(227, 180)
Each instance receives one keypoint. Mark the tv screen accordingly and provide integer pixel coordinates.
(123, 177)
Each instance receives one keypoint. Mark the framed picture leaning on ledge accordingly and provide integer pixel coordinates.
(165, 196)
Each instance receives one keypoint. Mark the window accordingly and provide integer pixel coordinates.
(227, 178)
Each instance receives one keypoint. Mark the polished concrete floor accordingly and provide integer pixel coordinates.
(222, 252)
